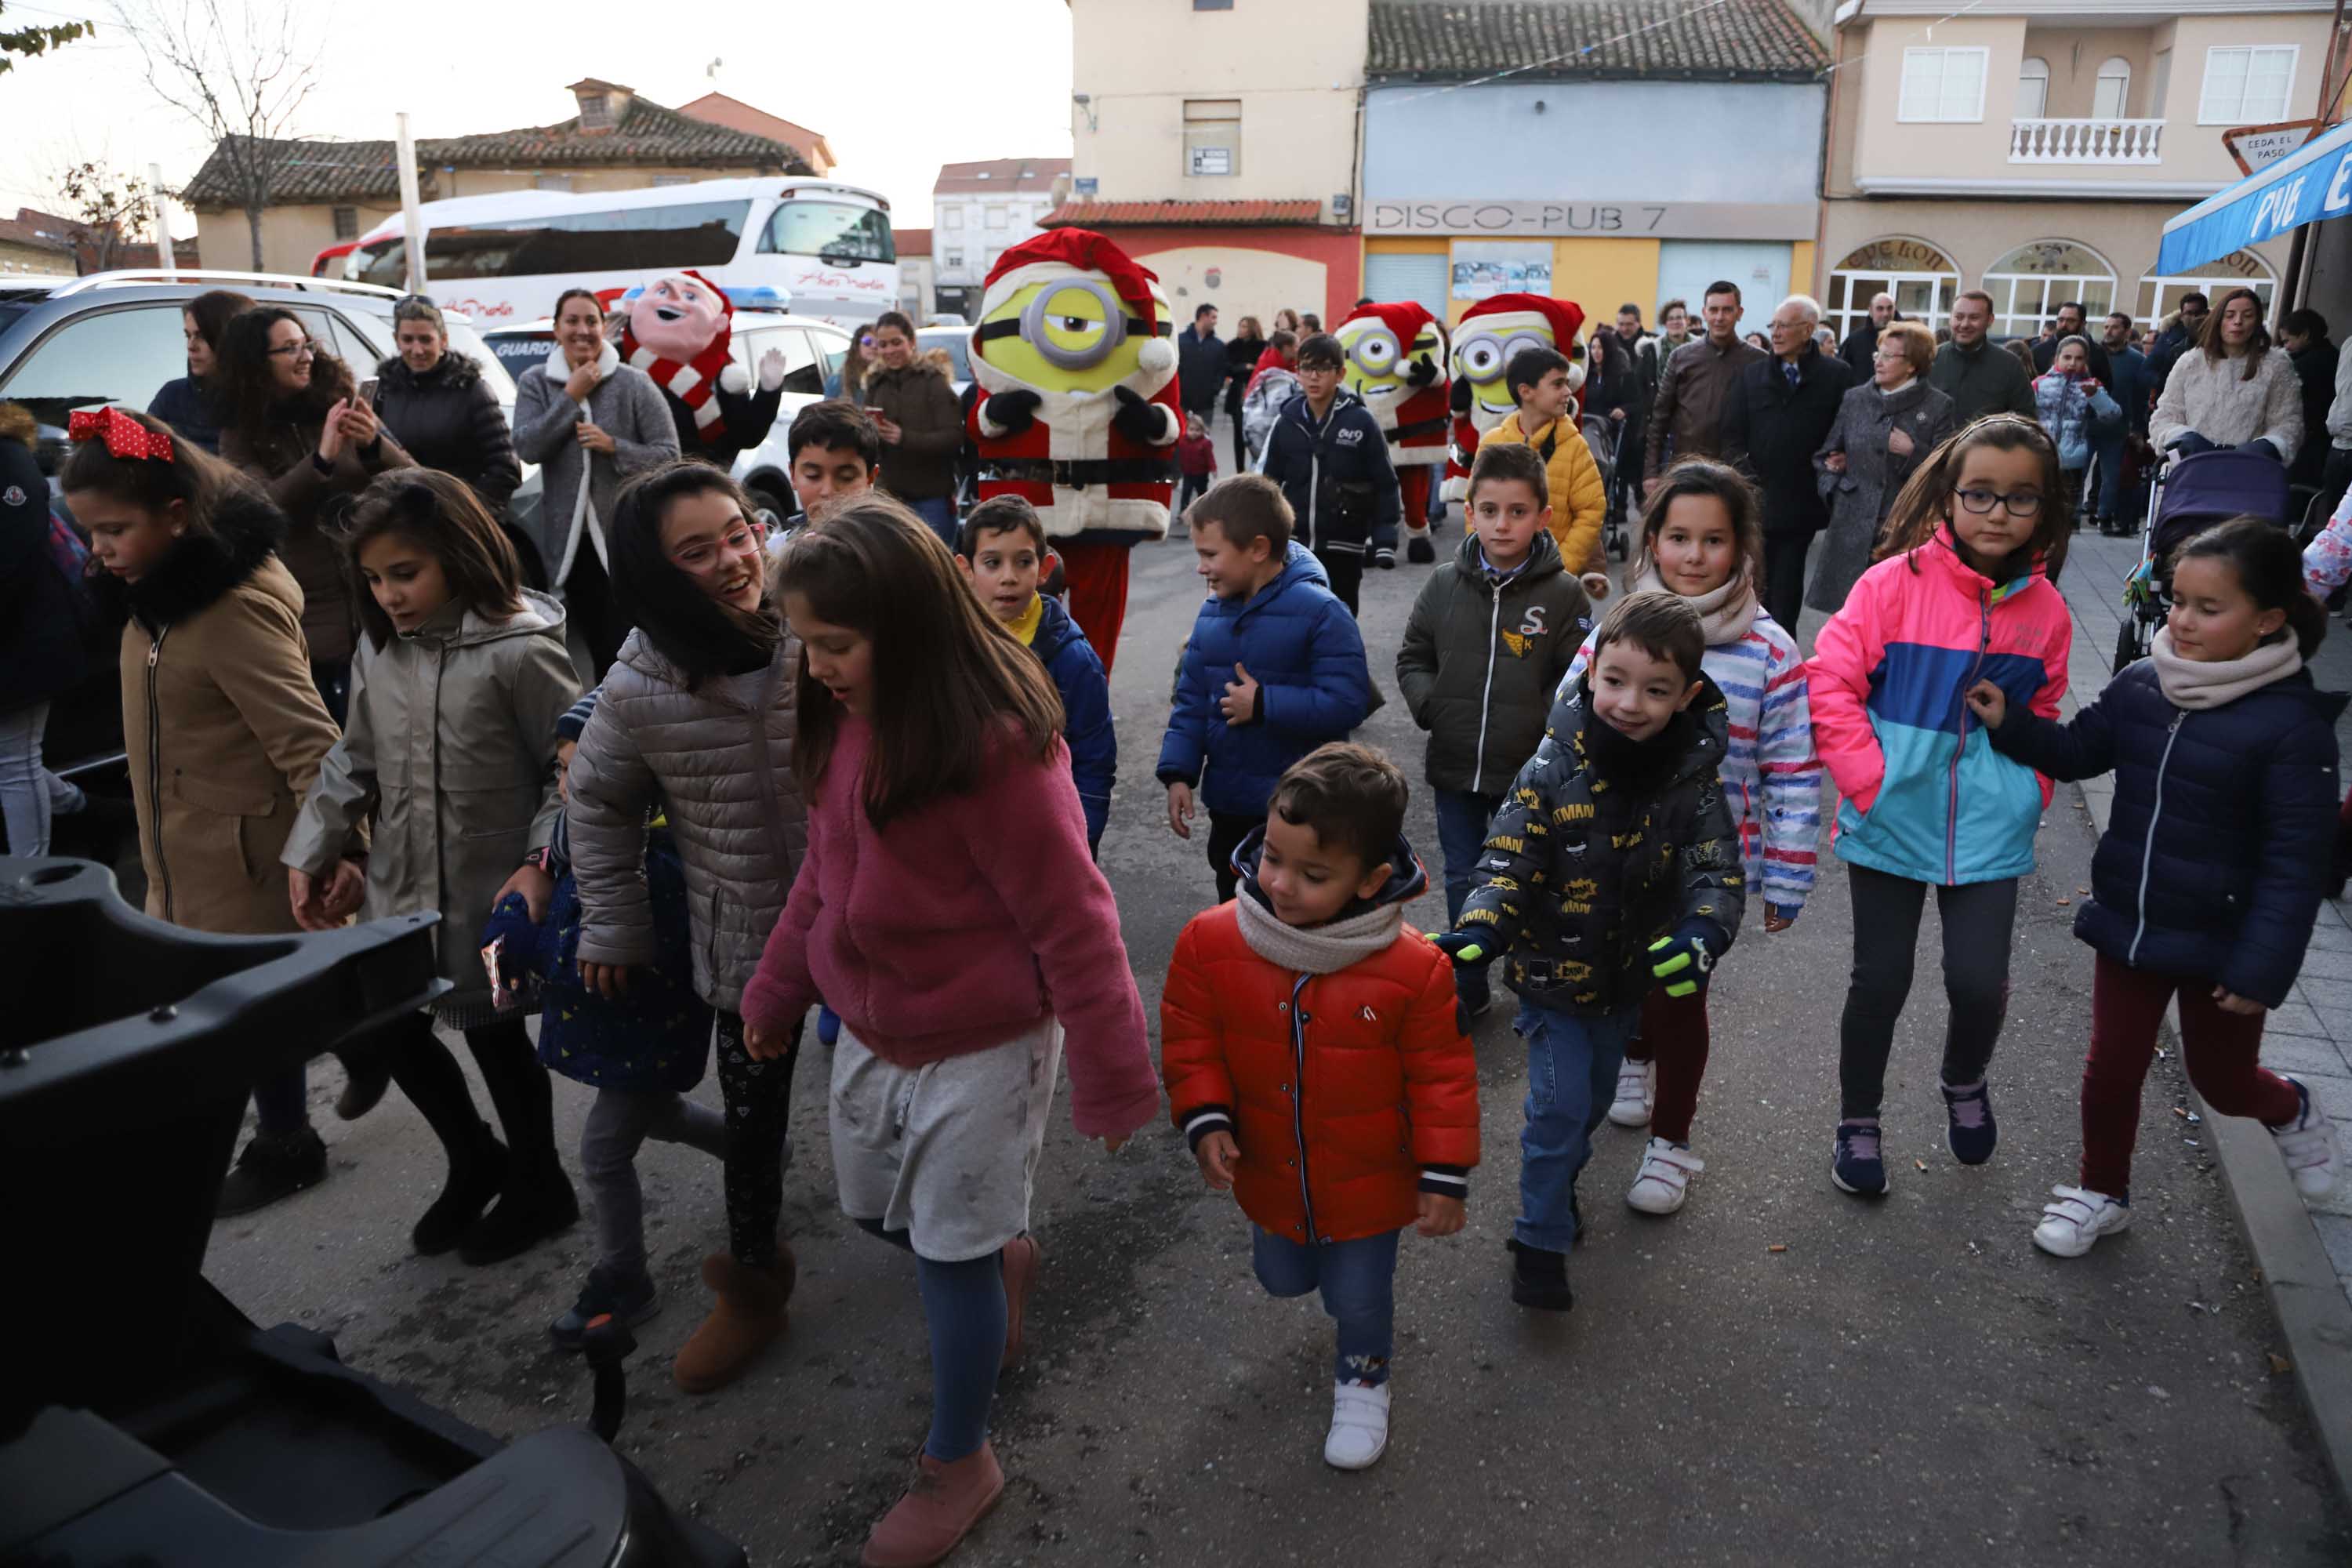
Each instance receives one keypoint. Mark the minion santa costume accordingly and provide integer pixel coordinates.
(1074, 409)
(1489, 335)
(1396, 363)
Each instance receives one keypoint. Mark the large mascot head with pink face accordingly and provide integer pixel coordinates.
(680, 328)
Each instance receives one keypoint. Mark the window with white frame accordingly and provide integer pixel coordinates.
(951, 258)
(952, 218)
(2111, 94)
(1943, 85)
(2247, 85)
(996, 217)
(2032, 87)
(2029, 283)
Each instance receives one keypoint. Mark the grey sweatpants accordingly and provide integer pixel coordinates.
(620, 1121)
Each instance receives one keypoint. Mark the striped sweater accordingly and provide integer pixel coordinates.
(1772, 776)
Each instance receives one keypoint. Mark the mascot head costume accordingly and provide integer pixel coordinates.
(681, 332)
(1396, 363)
(1490, 334)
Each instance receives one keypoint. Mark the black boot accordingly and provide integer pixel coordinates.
(272, 1168)
(367, 1076)
(1420, 551)
(477, 1174)
(538, 1203)
(1539, 1278)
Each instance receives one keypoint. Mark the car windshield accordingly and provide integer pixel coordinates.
(956, 341)
(466, 341)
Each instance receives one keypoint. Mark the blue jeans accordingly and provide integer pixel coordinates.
(1572, 1062)
(2110, 502)
(1358, 1283)
(939, 512)
(1462, 819)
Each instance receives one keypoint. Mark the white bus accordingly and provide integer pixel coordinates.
(505, 257)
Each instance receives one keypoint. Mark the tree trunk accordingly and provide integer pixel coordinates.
(253, 225)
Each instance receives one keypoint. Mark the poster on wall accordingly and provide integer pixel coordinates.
(1482, 271)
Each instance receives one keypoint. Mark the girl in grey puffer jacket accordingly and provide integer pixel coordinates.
(699, 710)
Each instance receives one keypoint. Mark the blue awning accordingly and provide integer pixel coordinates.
(2313, 181)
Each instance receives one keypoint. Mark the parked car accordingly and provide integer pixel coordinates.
(115, 338)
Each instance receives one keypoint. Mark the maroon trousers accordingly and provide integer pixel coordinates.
(1674, 1036)
(2223, 1052)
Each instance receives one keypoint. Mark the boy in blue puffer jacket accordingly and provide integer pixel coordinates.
(1002, 549)
(640, 1052)
(1275, 669)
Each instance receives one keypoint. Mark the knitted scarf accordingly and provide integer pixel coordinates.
(1319, 950)
(1724, 614)
(691, 383)
(2200, 684)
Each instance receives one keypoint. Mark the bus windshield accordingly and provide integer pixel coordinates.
(648, 238)
(830, 231)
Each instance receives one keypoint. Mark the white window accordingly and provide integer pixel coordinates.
(953, 259)
(952, 218)
(2111, 96)
(2032, 87)
(996, 217)
(1212, 136)
(1943, 85)
(2246, 86)
(551, 181)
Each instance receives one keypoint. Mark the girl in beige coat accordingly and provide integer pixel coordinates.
(221, 724)
(460, 677)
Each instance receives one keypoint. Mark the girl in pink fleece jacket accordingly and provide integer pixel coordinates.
(950, 911)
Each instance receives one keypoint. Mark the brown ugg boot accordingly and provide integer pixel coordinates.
(1022, 1259)
(750, 1313)
(936, 1512)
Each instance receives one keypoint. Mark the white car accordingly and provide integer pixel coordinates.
(813, 351)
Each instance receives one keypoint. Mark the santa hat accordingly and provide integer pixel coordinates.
(1566, 315)
(1062, 252)
(1403, 318)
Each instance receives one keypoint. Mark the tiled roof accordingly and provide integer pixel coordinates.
(1000, 175)
(33, 234)
(348, 171)
(1454, 40)
(911, 241)
(1188, 214)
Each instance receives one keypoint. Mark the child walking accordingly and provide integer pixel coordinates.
(2205, 885)
(699, 713)
(1275, 667)
(218, 698)
(1702, 538)
(1485, 646)
(1196, 460)
(1311, 979)
(1963, 594)
(1611, 866)
(951, 913)
(459, 678)
(1544, 420)
(1001, 552)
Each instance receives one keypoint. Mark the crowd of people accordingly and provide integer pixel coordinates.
(863, 772)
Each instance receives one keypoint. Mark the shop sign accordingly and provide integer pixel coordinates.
(1609, 220)
(1896, 256)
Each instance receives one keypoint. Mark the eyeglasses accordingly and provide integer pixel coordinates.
(2021, 504)
(306, 349)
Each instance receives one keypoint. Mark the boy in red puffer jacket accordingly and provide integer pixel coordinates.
(1314, 1059)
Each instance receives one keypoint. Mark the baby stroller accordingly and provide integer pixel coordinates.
(1601, 434)
(2191, 494)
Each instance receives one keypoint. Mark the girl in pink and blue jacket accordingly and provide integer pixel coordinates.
(1963, 594)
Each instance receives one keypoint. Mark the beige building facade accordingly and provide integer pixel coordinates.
(2035, 148)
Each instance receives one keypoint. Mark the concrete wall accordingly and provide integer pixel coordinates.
(1258, 270)
(1296, 69)
(34, 261)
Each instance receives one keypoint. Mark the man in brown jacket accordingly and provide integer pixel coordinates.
(1686, 420)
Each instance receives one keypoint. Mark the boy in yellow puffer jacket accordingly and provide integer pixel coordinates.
(1539, 380)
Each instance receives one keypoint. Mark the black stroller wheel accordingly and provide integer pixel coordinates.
(2127, 648)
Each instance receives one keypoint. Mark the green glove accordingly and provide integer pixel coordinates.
(1468, 950)
(1683, 960)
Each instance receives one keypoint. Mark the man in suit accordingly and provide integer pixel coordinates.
(1774, 420)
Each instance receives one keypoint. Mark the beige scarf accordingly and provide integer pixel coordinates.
(1319, 950)
(2200, 684)
(1724, 614)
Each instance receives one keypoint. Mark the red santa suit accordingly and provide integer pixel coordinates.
(1417, 418)
(1086, 434)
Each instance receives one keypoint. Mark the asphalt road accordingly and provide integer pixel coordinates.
(1778, 1374)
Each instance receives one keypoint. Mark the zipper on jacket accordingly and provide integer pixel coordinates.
(1298, 1100)
(1952, 797)
(155, 766)
(2148, 848)
(1486, 698)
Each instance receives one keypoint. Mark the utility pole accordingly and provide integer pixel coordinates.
(163, 218)
(412, 220)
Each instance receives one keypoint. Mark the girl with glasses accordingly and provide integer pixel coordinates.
(1962, 594)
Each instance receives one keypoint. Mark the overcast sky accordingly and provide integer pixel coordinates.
(898, 88)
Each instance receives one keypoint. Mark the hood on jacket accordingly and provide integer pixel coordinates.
(556, 370)
(247, 528)
(541, 615)
(455, 372)
(1408, 880)
(1543, 561)
(1341, 401)
(1056, 630)
(1698, 737)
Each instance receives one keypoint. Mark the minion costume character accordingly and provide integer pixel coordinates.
(1396, 363)
(1490, 334)
(1074, 409)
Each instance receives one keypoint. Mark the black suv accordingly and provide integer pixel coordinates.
(115, 337)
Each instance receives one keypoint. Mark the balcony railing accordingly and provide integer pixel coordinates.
(2110, 142)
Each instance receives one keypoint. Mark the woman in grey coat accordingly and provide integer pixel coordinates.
(1884, 430)
(588, 420)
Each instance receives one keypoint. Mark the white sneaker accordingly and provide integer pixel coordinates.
(2307, 1144)
(1359, 1426)
(1664, 1181)
(2074, 1223)
(1632, 1106)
